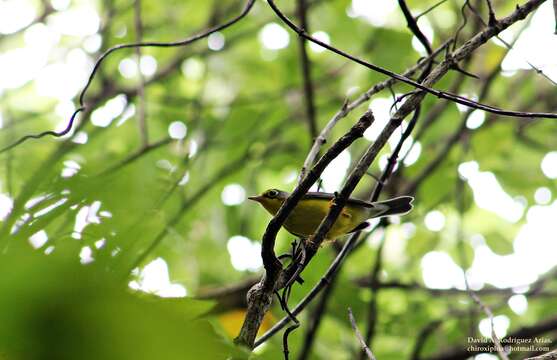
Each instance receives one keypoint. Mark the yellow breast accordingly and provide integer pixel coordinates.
(308, 214)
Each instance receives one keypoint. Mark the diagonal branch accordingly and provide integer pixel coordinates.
(450, 62)
(315, 319)
(372, 304)
(349, 107)
(260, 296)
(365, 348)
(325, 280)
(492, 20)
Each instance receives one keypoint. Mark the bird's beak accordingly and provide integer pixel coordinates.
(256, 198)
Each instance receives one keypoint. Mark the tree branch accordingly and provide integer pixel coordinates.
(349, 107)
(325, 280)
(450, 62)
(365, 348)
(372, 306)
(315, 319)
(305, 65)
(260, 296)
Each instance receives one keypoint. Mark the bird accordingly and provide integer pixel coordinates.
(314, 207)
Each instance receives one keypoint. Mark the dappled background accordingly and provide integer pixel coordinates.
(145, 197)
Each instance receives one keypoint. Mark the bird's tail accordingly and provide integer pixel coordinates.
(397, 206)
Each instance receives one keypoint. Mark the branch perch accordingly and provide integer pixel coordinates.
(260, 296)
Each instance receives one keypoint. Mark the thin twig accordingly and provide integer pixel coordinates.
(82, 106)
(463, 25)
(321, 140)
(460, 243)
(487, 310)
(431, 8)
(325, 280)
(259, 297)
(305, 64)
(316, 316)
(372, 305)
(391, 81)
(510, 46)
(348, 107)
(492, 20)
(413, 26)
(365, 348)
(58, 134)
(452, 59)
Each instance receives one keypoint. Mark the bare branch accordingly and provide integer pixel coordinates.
(321, 140)
(349, 107)
(372, 304)
(451, 61)
(325, 280)
(461, 130)
(260, 296)
(431, 8)
(365, 348)
(487, 310)
(316, 316)
(305, 64)
(492, 20)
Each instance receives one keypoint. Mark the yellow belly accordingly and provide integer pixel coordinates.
(308, 214)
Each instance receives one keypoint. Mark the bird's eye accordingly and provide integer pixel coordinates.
(272, 193)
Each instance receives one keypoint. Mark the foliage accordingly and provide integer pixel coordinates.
(128, 204)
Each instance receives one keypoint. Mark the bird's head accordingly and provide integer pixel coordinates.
(271, 199)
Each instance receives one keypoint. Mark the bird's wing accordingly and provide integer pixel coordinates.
(360, 226)
(329, 197)
(396, 206)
